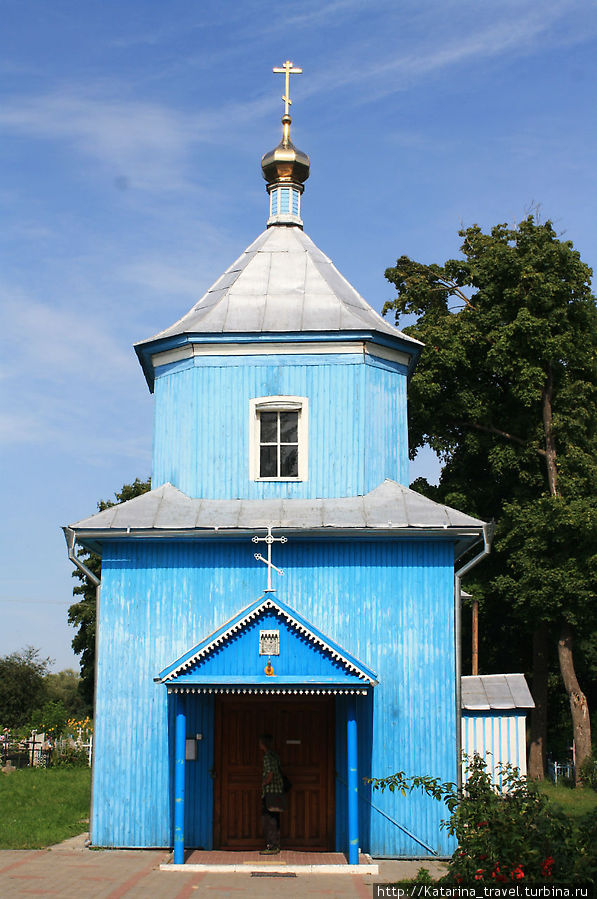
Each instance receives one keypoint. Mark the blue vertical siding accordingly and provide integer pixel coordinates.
(390, 604)
(357, 423)
(198, 780)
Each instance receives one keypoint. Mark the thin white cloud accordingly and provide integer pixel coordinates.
(169, 279)
(58, 344)
(79, 422)
(151, 144)
(141, 142)
(445, 46)
(69, 382)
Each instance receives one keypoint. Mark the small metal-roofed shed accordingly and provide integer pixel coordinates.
(494, 710)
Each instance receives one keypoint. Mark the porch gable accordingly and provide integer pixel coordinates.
(266, 645)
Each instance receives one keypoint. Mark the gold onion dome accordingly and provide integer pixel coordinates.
(285, 164)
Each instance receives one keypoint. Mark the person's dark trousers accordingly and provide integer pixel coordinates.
(270, 822)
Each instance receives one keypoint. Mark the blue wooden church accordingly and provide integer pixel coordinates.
(280, 576)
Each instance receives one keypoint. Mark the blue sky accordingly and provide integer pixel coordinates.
(131, 137)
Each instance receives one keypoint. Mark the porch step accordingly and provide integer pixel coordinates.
(288, 862)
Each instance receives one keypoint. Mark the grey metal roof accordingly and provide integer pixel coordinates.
(390, 506)
(483, 692)
(281, 283)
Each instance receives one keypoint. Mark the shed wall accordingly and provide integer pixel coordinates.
(390, 604)
(498, 736)
(357, 423)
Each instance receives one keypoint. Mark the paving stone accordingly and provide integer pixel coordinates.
(71, 870)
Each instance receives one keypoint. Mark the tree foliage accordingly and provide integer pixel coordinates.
(82, 614)
(63, 687)
(22, 685)
(506, 394)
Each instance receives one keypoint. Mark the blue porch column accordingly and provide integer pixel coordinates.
(353, 785)
(180, 734)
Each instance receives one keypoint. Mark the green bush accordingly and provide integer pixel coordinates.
(585, 867)
(507, 834)
(588, 772)
(69, 757)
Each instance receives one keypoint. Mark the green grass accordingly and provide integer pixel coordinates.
(574, 802)
(41, 807)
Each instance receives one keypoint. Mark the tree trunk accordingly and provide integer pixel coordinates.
(550, 443)
(579, 708)
(581, 725)
(538, 747)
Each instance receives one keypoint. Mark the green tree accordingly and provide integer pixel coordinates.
(22, 685)
(506, 394)
(82, 614)
(63, 686)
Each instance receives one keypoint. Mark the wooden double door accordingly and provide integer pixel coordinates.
(303, 733)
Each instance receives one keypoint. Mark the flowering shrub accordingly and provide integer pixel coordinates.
(50, 719)
(80, 730)
(507, 834)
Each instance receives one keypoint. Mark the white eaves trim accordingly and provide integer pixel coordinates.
(301, 348)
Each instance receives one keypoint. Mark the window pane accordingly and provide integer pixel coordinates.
(269, 427)
(289, 461)
(288, 427)
(269, 462)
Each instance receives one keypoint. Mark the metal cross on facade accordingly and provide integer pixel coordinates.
(268, 540)
(287, 69)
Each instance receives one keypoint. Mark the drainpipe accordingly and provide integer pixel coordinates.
(70, 537)
(488, 531)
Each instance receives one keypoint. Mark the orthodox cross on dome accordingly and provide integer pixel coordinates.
(268, 540)
(287, 69)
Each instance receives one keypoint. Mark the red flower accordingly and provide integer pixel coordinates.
(479, 874)
(547, 866)
(497, 875)
(517, 873)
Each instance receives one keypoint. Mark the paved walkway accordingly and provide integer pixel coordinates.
(70, 871)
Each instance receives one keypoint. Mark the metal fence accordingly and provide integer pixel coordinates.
(563, 771)
(38, 752)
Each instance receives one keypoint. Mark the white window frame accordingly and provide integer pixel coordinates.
(298, 404)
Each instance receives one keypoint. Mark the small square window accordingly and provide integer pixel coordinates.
(279, 438)
(278, 444)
